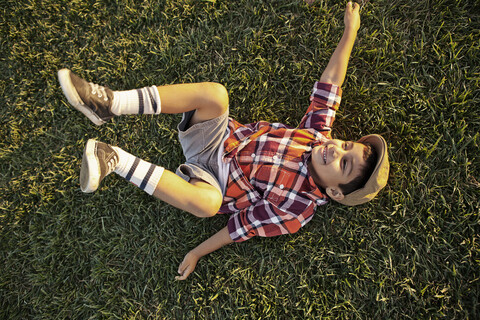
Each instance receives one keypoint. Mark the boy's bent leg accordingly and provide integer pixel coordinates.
(101, 159)
(197, 197)
(100, 103)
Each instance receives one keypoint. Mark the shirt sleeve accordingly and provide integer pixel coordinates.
(324, 101)
(265, 220)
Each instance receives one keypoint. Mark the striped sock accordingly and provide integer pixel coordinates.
(138, 101)
(139, 172)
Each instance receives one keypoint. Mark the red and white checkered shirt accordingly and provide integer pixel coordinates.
(269, 190)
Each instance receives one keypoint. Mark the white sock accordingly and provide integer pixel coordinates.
(139, 172)
(138, 101)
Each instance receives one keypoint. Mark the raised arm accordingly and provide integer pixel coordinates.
(337, 66)
(215, 242)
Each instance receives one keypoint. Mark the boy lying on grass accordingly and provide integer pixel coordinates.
(269, 177)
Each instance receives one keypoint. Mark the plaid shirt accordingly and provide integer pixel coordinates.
(269, 190)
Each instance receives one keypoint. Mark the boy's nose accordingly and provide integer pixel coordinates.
(336, 150)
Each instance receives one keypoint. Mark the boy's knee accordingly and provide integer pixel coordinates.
(208, 200)
(219, 94)
(210, 206)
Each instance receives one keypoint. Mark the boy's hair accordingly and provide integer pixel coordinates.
(370, 157)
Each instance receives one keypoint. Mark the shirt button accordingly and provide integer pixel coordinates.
(300, 164)
(281, 186)
(274, 158)
(253, 155)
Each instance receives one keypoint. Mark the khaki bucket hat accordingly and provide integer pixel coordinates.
(379, 177)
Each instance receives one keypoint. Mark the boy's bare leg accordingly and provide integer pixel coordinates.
(196, 196)
(100, 159)
(100, 103)
(210, 100)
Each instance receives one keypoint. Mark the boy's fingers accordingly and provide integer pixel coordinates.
(353, 5)
(184, 274)
(182, 267)
(180, 278)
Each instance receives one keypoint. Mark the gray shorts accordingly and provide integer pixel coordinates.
(201, 144)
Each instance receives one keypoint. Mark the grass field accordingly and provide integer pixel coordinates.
(414, 76)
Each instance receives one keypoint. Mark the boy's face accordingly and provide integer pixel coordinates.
(336, 162)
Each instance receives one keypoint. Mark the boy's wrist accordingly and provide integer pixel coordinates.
(350, 31)
(349, 34)
(195, 253)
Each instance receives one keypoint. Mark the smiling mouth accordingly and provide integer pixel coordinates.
(325, 154)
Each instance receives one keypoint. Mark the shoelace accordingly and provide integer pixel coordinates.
(112, 163)
(98, 90)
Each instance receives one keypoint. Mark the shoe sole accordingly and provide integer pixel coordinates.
(90, 171)
(72, 96)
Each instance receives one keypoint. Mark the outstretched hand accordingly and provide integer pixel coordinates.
(218, 240)
(187, 266)
(352, 16)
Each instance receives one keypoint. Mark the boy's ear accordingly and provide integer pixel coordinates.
(335, 193)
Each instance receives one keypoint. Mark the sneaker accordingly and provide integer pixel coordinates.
(92, 100)
(99, 160)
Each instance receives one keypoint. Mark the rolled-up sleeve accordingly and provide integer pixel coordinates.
(324, 101)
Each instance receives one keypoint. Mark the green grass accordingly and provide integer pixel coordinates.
(414, 76)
